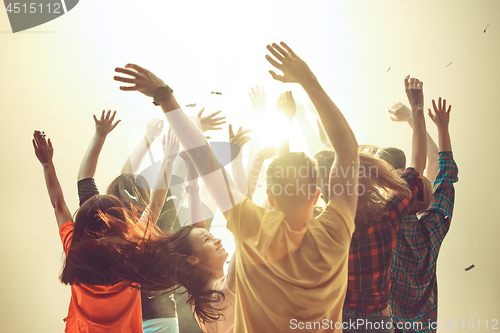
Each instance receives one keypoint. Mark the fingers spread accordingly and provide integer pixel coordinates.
(135, 67)
(126, 71)
(130, 88)
(288, 49)
(273, 62)
(277, 77)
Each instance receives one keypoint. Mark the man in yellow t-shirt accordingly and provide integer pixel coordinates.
(291, 271)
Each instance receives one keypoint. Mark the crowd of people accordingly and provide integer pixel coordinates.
(342, 238)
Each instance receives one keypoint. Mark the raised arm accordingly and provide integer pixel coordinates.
(286, 105)
(103, 126)
(237, 142)
(154, 127)
(400, 112)
(340, 134)
(196, 213)
(44, 152)
(159, 193)
(415, 94)
(191, 138)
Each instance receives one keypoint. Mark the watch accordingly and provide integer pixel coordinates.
(192, 189)
(162, 93)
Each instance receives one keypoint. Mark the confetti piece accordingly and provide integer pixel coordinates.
(469, 268)
(448, 64)
(486, 28)
(208, 137)
(217, 93)
(191, 105)
(389, 69)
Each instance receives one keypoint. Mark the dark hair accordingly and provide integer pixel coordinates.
(377, 190)
(131, 189)
(90, 225)
(151, 261)
(278, 175)
(394, 156)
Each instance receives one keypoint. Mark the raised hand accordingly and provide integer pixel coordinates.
(258, 99)
(43, 148)
(414, 92)
(441, 116)
(144, 81)
(286, 104)
(154, 127)
(170, 146)
(210, 122)
(399, 112)
(104, 125)
(192, 173)
(294, 69)
(239, 139)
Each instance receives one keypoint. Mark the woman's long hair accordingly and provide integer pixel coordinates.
(376, 190)
(149, 260)
(90, 225)
(131, 190)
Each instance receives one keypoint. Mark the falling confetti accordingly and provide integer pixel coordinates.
(389, 69)
(469, 268)
(191, 105)
(486, 28)
(448, 64)
(217, 93)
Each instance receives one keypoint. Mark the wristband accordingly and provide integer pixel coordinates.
(162, 93)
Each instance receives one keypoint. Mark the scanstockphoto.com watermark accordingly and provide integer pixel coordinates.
(289, 179)
(358, 324)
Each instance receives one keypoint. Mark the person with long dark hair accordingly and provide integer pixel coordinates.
(99, 302)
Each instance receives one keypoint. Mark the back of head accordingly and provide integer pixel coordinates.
(89, 225)
(324, 158)
(420, 206)
(291, 178)
(394, 156)
(131, 189)
(377, 184)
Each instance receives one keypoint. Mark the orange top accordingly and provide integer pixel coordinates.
(104, 308)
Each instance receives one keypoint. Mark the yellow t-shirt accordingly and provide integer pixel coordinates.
(289, 280)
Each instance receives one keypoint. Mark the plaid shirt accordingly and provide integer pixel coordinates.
(371, 252)
(413, 274)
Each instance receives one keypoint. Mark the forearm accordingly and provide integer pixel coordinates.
(133, 163)
(255, 143)
(444, 139)
(89, 161)
(338, 130)
(431, 168)
(56, 196)
(419, 140)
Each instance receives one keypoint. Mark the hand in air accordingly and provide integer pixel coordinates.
(170, 146)
(294, 69)
(399, 112)
(104, 125)
(143, 80)
(286, 104)
(414, 92)
(441, 116)
(210, 122)
(43, 148)
(238, 140)
(154, 127)
(258, 99)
